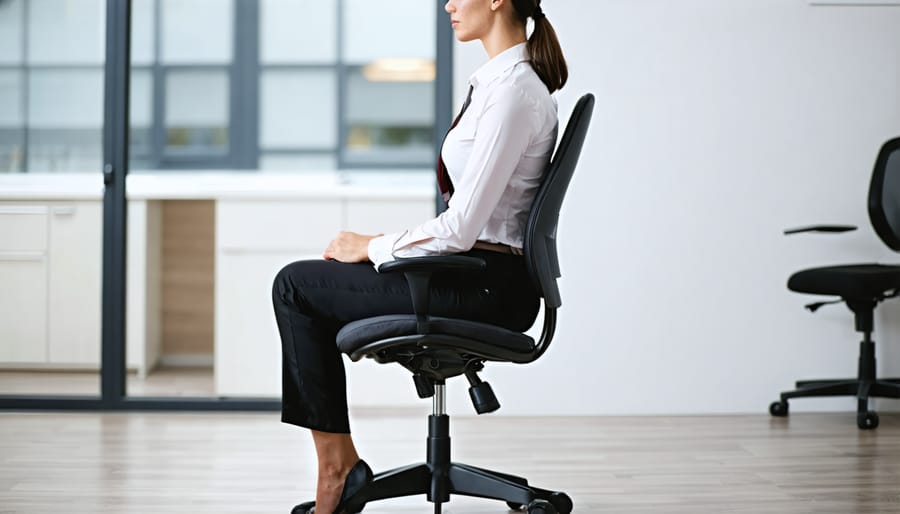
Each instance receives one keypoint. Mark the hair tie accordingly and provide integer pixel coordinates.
(538, 13)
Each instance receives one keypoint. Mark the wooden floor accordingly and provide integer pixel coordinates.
(237, 463)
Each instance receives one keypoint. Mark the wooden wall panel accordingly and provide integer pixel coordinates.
(188, 273)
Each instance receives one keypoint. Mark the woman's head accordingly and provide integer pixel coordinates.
(477, 19)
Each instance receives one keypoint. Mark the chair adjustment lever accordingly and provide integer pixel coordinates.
(813, 307)
(483, 398)
(424, 386)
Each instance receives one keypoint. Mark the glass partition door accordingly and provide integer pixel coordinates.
(215, 85)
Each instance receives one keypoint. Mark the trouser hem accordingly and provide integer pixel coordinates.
(303, 422)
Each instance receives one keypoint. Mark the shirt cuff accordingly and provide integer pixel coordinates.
(381, 249)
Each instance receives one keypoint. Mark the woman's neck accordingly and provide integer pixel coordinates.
(502, 38)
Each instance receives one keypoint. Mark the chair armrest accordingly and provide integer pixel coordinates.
(821, 228)
(418, 271)
(432, 264)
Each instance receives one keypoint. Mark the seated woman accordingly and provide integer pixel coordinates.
(491, 165)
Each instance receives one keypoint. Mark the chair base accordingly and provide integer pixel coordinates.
(865, 386)
(439, 478)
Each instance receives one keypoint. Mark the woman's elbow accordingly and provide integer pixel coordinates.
(467, 241)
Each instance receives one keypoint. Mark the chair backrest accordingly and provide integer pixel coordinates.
(884, 194)
(540, 232)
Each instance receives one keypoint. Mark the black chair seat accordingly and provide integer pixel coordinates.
(855, 281)
(360, 333)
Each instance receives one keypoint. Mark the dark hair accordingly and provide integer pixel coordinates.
(543, 46)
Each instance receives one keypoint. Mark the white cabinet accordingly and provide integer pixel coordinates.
(23, 283)
(143, 310)
(74, 279)
(50, 278)
(254, 240)
(247, 349)
(51, 281)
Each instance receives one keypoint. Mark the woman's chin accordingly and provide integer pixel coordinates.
(463, 37)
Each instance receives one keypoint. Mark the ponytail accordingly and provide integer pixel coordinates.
(543, 46)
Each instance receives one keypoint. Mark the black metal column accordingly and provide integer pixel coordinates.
(244, 91)
(443, 86)
(115, 168)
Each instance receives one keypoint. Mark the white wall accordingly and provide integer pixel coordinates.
(717, 125)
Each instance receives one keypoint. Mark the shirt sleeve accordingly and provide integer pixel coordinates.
(506, 128)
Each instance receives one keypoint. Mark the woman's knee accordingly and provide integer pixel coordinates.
(298, 281)
(286, 287)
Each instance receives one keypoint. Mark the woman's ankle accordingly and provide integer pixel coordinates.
(337, 469)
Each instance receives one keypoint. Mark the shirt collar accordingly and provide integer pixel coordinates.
(499, 64)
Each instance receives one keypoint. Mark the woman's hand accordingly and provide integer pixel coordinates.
(349, 247)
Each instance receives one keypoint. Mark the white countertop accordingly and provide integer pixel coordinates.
(213, 185)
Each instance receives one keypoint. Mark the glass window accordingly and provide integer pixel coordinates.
(370, 102)
(141, 109)
(11, 13)
(297, 162)
(295, 31)
(390, 82)
(65, 98)
(64, 149)
(66, 31)
(382, 127)
(399, 28)
(197, 31)
(65, 118)
(141, 117)
(143, 31)
(196, 114)
(12, 134)
(11, 99)
(12, 150)
(298, 109)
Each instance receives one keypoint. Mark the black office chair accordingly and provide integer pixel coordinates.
(861, 287)
(435, 349)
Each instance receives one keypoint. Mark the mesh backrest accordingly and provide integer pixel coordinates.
(540, 233)
(884, 195)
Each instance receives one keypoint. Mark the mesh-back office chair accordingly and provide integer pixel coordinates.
(435, 349)
(861, 287)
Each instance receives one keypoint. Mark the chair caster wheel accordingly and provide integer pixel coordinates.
(561, 502)
(514, 506)
(867, 420)
(541, 507)
(779, 409)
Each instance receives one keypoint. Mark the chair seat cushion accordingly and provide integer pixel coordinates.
(360, 333)
(855, 281)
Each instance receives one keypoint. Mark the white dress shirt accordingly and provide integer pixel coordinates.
(495, 156)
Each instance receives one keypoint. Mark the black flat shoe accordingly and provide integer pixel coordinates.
(304, 508)
(360, 475)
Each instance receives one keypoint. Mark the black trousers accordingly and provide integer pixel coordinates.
(314, 299)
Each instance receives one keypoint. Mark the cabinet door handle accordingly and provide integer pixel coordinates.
(22, 256)
(64, 210)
